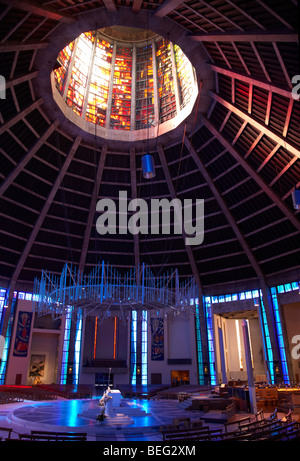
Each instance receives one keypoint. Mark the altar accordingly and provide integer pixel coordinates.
(115, 395)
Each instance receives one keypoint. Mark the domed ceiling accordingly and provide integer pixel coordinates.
(238, 150)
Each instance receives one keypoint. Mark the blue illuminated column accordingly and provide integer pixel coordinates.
(199, 345)
(267, 342)
(280, 337)
(77, 352)
(133, 347)
(66, 344)
(139, 348)
(144, 352)
(70, 367)
(210, 338)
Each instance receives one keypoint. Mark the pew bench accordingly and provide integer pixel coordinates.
(252, 424)
(278, 432)
(8, 432)
(67, 435)
(188, 434)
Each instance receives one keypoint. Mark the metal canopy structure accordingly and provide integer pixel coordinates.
(106, 293)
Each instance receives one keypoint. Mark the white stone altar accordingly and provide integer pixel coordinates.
(115, 395)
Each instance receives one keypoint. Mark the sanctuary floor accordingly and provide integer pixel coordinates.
(134, 420)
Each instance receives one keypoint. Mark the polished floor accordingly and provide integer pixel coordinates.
(134, 419)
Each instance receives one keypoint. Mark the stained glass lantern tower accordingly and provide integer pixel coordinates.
(126, 89)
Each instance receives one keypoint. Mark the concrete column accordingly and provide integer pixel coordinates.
(222, 356)
(251, 386)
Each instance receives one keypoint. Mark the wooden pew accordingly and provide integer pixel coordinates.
(273, 416)
(188, 433)
(279, 432)
(54, 436)
(287, 418)
(67, 435)
(247, 419)
(8, 432)
(252, 424)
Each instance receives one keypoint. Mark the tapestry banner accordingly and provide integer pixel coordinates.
(22, 334)
(157, 336)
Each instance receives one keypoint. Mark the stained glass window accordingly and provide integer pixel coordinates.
(99, 87)
(144, 109)
(63, 60)
(165, 81)
(185, 76)
(116, 85)
(121, 93)
(80, 71)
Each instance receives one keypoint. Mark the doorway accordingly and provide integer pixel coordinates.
(180, 377)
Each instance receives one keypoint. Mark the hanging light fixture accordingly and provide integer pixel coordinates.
(148, 166)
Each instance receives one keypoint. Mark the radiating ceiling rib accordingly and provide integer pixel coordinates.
(282, 171)
(255, 81)
(189, 20)
(15, 28)
(34, 29)
(280, 140)
(110, 5)
(44, 211)
(166, 7)
(92, 209)
(267, 189)
(288, 117)
(20, 79)
(17, 46)
(222, 54)
(34, 233)
(282, 65)
(268, 157)
(268, 109)
(219, 13)
(244, 13)
(262, 65)
(136, 6)
(240, 58)
(276, 15)
(205, 18)
(224, 208)
(20, 115)
(258, 36)
(4, 12)
(21, 165)
(38, 9)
